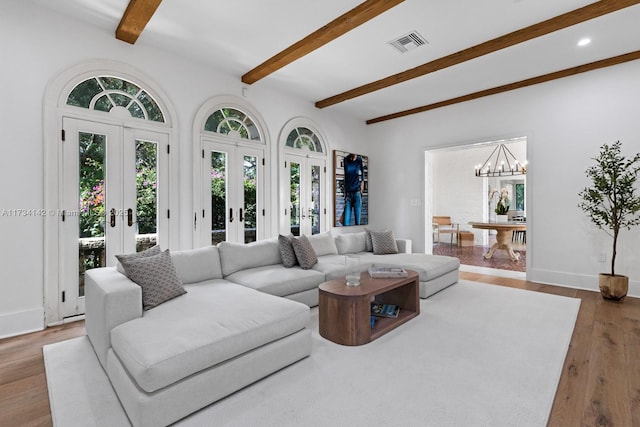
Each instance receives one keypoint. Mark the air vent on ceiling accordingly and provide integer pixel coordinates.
(408, 42)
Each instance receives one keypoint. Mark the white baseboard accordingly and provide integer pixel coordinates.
(576, 281)
(494, 272)
(21, 322)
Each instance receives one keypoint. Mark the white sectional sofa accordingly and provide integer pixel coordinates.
(244, 316)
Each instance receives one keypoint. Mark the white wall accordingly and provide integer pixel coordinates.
(37, 44)
(565, 122)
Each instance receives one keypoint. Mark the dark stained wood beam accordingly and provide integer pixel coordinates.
(135, 18)
(591, 11)
(632, 56)
(336, 28)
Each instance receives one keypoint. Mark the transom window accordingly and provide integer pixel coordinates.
(103, 93)
(304, 138)
(232, 122)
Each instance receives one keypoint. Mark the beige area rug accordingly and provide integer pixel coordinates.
(477, 355)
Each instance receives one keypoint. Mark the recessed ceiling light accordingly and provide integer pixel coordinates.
(584, 42)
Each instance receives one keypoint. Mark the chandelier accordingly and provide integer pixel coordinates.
(501, 162)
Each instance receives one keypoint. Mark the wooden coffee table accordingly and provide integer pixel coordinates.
(345, 311)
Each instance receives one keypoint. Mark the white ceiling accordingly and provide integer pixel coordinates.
(236, 36)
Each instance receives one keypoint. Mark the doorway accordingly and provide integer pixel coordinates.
(453, 189)
(113, 199)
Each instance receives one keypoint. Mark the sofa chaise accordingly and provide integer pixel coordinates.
(244, 316)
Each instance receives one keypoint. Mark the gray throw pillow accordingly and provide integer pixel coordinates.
(304, 252)
(157, 277)
(287, 253)
(367, 240)
(155, 250)
(384, 242)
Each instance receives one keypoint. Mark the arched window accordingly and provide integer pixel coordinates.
(304, 138)
(303, 179)
(110, 177)
(232, 122)
(103, 93)
(232, 146)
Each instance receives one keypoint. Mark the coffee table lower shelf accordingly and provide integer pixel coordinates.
(345, 312)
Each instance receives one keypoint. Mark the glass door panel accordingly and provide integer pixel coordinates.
(314, 210)
(91, 209)
(218, 184)
(295, 198)
(232, 195)
(304, 189)
(249, 212)
(89, 198)
(114, 184)
(146, 218)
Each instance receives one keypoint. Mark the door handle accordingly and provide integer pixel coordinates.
(241, 216)
(130, 217)
(230, 214)
(113, 218)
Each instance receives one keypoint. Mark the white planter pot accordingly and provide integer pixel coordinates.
(502, 218)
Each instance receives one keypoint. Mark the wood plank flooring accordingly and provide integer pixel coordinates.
(600, 383)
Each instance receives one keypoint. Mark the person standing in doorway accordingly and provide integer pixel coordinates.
(353, 187)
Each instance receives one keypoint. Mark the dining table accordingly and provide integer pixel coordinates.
(504, 236)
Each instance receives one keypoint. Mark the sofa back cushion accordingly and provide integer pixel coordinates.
(239, 256)
(351, 243)
(323, 244)
(197, 265)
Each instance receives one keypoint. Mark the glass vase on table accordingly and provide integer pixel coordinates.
(352, 270)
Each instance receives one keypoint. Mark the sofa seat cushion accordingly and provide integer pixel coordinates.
(428, 267)
(213, 322)
(277, 279)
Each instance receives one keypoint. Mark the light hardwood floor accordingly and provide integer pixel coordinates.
(600, 383)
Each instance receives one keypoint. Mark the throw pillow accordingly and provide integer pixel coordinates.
(157, 277)
(155, 250)
(367, 239)
(307, 257)
(286, 250)
(351, 243)
(323, 244)
(384, 242)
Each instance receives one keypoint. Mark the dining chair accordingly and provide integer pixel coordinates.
(443, 225)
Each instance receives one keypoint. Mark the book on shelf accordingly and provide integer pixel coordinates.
(378, 272)
(384, 310)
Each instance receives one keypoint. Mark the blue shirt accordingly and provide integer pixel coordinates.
(353, 173)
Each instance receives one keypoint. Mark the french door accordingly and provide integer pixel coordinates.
(305, 194)
(114, 199)
(233, 193)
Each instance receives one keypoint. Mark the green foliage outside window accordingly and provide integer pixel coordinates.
(92, 215)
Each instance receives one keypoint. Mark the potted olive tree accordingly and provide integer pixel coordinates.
(612, 204)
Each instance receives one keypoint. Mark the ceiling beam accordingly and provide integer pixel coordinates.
(632, 56)
(336, 28)
(135, 18)
(591, 11)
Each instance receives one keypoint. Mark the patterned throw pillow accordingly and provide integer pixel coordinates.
(384, 242)
(287, 253)
(155, 250)
(157, 277)
(304, 252)
(367, 240)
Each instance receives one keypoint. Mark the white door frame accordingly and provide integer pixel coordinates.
(55, 109)
(235, 191)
